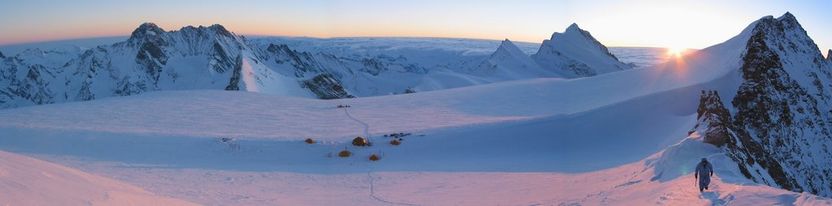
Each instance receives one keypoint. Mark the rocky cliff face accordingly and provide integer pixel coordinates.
(779, 129)
(714, 121)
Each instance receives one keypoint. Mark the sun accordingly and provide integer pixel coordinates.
(676, 51)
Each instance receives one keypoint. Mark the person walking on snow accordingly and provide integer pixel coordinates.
(703, 173)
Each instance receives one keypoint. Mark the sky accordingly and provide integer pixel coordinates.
(678, 24)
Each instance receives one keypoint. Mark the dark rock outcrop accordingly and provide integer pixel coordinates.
(236, 75)
(325, 86)
(780, 131)
(828, 55)
(714, 120)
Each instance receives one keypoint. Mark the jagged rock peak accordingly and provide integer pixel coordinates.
(788, 16)
(278, 48)
(2, 56)
(785, 22)
(709, 101)
(713, 119)
(215, 28)
(505, 42)
(573, 28)
(829, 55)
(145, 30)
(509, 46)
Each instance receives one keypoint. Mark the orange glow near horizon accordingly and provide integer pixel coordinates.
(688, 24)
(676, 52)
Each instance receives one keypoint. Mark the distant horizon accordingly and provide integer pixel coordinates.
(287, 36)
(677, 24)
(28, 45)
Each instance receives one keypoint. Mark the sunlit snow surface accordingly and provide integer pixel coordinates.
(28, 181)
(615, 139)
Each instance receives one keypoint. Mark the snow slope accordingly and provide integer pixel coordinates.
(531, 104)
(618, 138)
(567, 158)
(28, 181)
(514, 142)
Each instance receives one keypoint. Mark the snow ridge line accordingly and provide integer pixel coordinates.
(369, 172)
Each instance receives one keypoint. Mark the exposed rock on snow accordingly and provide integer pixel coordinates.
(326, 86)
(714, 119)
(780, 130)
(828, 55)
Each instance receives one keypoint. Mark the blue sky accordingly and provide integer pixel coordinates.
(693, 24)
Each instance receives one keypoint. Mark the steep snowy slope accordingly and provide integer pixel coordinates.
(28, 181)
(575, 53)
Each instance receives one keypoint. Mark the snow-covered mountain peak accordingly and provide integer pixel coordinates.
(508, 47)
(575, 34)
(216, 30)
(787, 39)
(149, 32)
(510, 62)
(788, 16)
(573, 27)
(575, 53)
(146, 30)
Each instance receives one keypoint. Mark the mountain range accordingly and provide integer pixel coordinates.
(598, 130)
(212, 57)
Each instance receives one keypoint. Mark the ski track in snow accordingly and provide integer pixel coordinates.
(370, 178)
(378, 198)
(366, 126)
